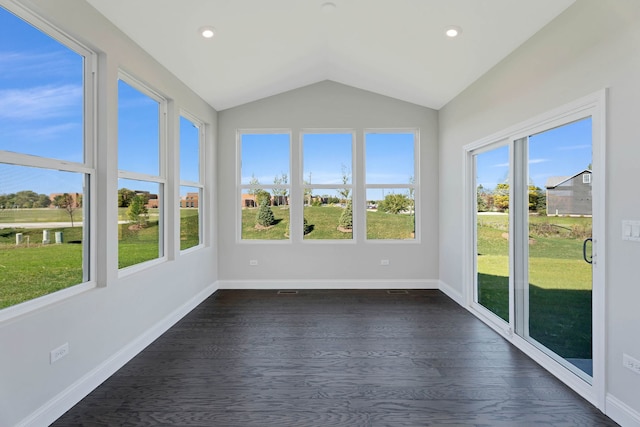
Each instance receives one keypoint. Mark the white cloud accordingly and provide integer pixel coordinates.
(574, 147)
(38, 103)
(48, 132)
(38, 66)
(535, 161)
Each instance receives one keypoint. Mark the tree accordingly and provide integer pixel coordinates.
(481, 200)
(541, 205)
(307, 191)
(43, 201)
(280, 194)
(137, 212)
(262, 196)
(537, 199)
(343, 192)
(535, 194)
(253, 182)
(395, 203)
(411, 193)
(501, 197)
(346, 218)
(67, 202)
(265, 217)
(125, 196)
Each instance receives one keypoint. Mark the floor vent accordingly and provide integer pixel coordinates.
(397, 292)
(287, 292)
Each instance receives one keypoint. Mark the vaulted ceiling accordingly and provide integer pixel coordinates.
(396, 48)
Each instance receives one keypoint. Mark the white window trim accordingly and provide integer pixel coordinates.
(240, 186)
(415, 186)
(593, 105)
(351, 186)
(200, 184)
(87, 168)
(160, 179)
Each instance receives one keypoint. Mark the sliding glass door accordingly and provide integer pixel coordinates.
(492, 290)
(559, 287)
(533, 239)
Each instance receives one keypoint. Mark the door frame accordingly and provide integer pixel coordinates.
(593, 105)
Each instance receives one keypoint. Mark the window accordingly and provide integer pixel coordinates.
(264, 185)
(390, 185)
(328, 186)
(586, 178)
(191, 183)
(46, 161)
(141, 173)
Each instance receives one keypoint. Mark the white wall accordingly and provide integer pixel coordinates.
(593, 45)
(304, 264)
(103, 325)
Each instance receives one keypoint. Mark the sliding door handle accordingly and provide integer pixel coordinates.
(584, 251)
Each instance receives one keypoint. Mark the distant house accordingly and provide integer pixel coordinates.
(153, 202)
(569, 195)
(248, 200)
(190, 200)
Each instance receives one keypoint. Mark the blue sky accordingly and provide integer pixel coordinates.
(41, 113)
(563, 151)
(40, 106)
(327, 156)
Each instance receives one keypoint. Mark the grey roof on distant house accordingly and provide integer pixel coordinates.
(555, 181)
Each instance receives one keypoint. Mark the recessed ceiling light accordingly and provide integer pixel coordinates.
(453, 31)
(207, 32)
(328, 7)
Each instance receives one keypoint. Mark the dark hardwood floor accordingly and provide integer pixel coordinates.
(332, 358)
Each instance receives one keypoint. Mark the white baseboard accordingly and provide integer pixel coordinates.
(65, 400)
(621, 413)
(451, 293)
(327, 284)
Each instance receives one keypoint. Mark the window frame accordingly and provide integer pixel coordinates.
(240, 187)
(593, 105)
(160, 179)
(409, 186)
(352, 186)
(87, 167)
(200, 184)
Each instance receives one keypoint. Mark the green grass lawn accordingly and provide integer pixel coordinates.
(38, 215)
(189, 228)
(27, 272)
(559, 280)
(323, 224)
(32, 269)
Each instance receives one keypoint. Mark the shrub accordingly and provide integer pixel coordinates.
(262, 196)
(395, 203)
(265, 217)
(137, 211)
(346, 218)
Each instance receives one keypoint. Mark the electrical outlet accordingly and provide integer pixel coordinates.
(384, 262)
(59, 353)
(253, 262)
(631, 363)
